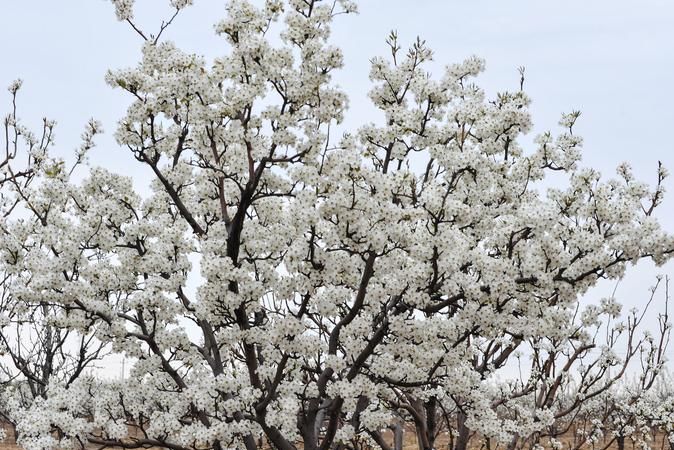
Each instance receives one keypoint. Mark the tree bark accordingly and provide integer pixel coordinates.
(463, 433)
(398, 436)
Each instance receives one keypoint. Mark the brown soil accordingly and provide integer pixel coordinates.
(442, 443)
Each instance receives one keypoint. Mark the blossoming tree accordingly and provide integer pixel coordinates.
(37, 350)
(335, 275)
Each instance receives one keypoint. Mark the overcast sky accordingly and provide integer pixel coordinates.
(612, 59)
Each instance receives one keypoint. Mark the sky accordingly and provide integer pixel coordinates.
(611, 59)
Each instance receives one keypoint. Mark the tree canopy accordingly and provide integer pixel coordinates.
(346, 278)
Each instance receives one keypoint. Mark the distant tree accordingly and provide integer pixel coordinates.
(35, 350)
(582, 385)
(343, 283)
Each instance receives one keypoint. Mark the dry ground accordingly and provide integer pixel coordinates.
(659, 443)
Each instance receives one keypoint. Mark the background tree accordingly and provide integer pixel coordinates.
(36, 350)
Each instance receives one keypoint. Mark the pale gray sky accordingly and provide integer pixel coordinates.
(612, 59)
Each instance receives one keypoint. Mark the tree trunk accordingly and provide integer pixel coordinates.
(430, 408)
(320, 418)
(512, 445)
(421, 424)
(463, 433)
(398, 435)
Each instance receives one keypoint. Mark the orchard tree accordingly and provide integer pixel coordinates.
(651, 414)
(580, 386)
(35, 351)
(572, 383)
(338, 277)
